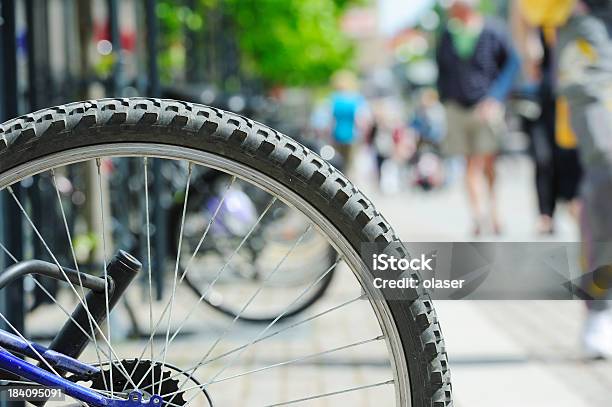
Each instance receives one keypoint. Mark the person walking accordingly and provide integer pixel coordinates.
(349, 112)
(553, 145)
(584, 47)
(477, 65)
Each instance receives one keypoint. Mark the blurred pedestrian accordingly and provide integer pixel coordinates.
(585, 78)
(429, 125)
(429, 119)
(552, 142)
(477, 65)
(382, 134)
(349, 114)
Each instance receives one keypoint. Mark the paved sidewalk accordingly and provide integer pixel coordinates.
(506, 353)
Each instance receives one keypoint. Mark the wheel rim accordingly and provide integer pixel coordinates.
(340, 243)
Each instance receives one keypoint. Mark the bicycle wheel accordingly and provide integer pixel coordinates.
(414, 371)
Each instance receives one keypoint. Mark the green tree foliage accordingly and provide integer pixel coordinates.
(291, 42)
(175, 19)
(283, 42)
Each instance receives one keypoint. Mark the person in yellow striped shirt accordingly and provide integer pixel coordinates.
(584, 81)
(552, 144)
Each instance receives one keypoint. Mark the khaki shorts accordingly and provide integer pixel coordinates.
(468, 134)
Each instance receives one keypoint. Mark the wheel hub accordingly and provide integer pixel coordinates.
(149, 378)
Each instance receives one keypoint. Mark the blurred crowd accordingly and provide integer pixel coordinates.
(549, 69)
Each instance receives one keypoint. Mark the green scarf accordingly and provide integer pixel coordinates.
(464, 39)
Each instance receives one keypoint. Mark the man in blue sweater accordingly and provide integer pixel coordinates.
(477, 65)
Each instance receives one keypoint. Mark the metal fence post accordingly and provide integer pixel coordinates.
(114, 85)
(159, 213)
(11, 222)
(11, 233)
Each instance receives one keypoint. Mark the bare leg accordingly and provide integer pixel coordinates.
(575, 206)
(489, 172)
(473, 179)
(545, 225)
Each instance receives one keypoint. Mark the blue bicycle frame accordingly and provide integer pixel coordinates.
(123, 267)
(19, 367)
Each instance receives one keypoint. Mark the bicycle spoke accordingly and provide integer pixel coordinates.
(284, 329)
(249, 302)
(43, 360)
(152, 329)
(40, 357)
(279, 364)
(211, 284)
(273, 322)
(51, 297)
(334, 393)
(70, 284)
(145, 163)
(275, 333)
(56, 302)
(65, 311)
(207, 229)
(76, 266)
(176, 267)
(105, 258)
(40, 237)
(295, 360)
(6, 251)
(223, 268)
(150, 281)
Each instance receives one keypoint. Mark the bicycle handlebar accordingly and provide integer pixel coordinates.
(44, 268)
